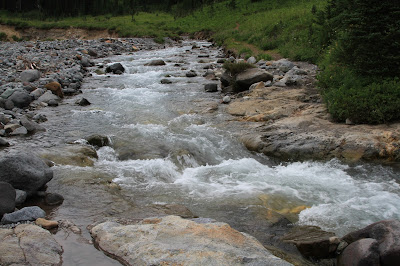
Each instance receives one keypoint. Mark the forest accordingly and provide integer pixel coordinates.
(356, 43)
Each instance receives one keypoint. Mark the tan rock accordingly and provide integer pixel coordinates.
(55, 88)
(46, 224)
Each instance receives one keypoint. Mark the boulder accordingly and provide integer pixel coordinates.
(30, 75)
(19, 131)
(85, 62)
(211, 87)
(7, 93)
(24, 214)
(55, 88)
(47, 97)
(7, 198)
(98, 140)
(116, 68)
(283, 65)
(53, 199)
(226, 79)
(166, 81)
(360, 253)
(31, 126)
(21, 99)
(252, 60)
(29, 244)
(83, 102)
(53, 103)
(24, 171)
(157, 62)
(4, 143)
(387, 234)
(37, 93)
(250, 76)
(172, 240)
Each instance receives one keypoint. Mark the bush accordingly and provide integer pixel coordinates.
(236, 68)
(3, 36)
(349, 96)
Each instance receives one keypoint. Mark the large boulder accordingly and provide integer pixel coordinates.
(173, 240)
(387, 235)
(29, 244)
(24, 214)
(30, 75)
(7, 198)
(360, 253)
(250, 76)
(24, 171)
(116, 68)
(21, 99)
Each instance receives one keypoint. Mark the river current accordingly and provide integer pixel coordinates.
(168, 148)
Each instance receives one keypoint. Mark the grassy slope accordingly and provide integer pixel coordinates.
(259, 28)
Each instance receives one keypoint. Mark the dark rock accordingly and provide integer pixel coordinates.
(21, 99)
(157, 62)
(312, 241)
(39, 118)
(191, 74)
(30, 125)
(211, 87)
(54, 199)
(30, 75)
(360, 253)
(4, 143)
(53, 103)
(20, 197)
(166, 81)
(250, 76)
(116, 68)
(226, 79)
(37, 93)
(83, 102)
(92, 52)
(24, 171)
(221, 61)
(7, 93)
(9, 105)
(25, 214)
(98, 140)
(7, 198)
(85, 62)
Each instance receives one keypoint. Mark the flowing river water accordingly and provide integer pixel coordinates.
(167, 148)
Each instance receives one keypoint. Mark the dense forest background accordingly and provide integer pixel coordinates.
(356, 43)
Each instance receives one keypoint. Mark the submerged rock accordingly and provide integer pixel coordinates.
(173, 240)
(157, 62)
(116, 68)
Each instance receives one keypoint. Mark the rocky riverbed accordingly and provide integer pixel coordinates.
(273, 108)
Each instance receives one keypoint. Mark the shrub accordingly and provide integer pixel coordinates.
(3, 36)
(265, 57)
(236, 68)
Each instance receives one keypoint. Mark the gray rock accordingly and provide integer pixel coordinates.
(166, 81)
(83, 102)
(19, 131)
(24, 171)
(21, 99)
(221, 61)
(92, 52)
(47, 97)
(116, 68)
(211, 87)
(360, 253)
(98, 140)
(24, 214)
(85, 62)
(53, 103)
(39, 118)
(20, 197)
(37, 93)
(173, 240)
(30, 75)
(226, 79)
(191, 74)
(30, 125)
(9, 105)
(7, 198)
(7, 93)
(157, 62)
(252, 60)
(250, 76)
(284, 65)
(3, 142)
(226, 99)
(54, 199)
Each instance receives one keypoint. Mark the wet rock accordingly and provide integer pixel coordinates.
(55, 88)
(175, 209)
(20, 197)
(157, 62)
(98, 140)
(191, 74)
(83, 102)
(7, 198)
(156, 241)
(226, 99)
(24, 214)
(4, 143)
(116, 68)
(19, 131)
(21, 99)
(360, 253)
(39, 118)
(85, 62)
(53, 103)
(221, 61)
(78, 155)
(211, 87)
(37, 93)
(30, 125)
(47, 97)
(46, 224)
(166, 81)
(30, 75)
(24, 171)
(53, 199)
(250, 76)
(313, 242)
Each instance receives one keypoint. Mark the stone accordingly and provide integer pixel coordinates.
(20, 197)
(172, 240)
(53, 103)
(55, 88)
(252, 60)
(52, 199)
(24, 171)
(226, 79)
(85, 62)
(226, 99)
(39, 118)
(312, 241)
(250, 76)
(191, 74)
(7, 198)
(24, 214)
(46, 224)
(21, 99)
(37, 93)
(7, 93)
(360, 253)
(114, 68)
(284, 65)
(47, 97)
(257, 86)
(98, 140)
(9, 128)
(19, 131)
(9, 105)
(166, 81)
(221, 61)
(30, 75)
(78, 155)
(31, 126)
(211, 87)
(156, 62)
(4, 143)
(83, 102)
(92, 52)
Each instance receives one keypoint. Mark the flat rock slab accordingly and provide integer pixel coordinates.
(29, 244)
(172, 240)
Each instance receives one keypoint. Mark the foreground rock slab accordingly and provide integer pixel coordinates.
(172, 240)
(29, 244)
